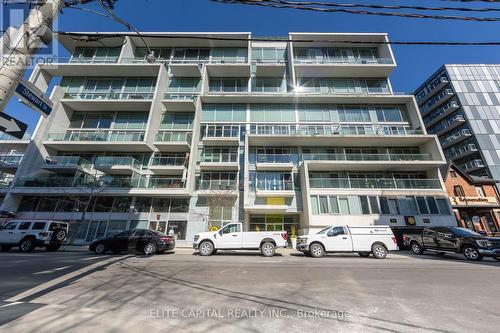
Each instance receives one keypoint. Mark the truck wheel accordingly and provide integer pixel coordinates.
(27, 245)
(52, 247)
(267, 249)
(416, 248)
(206, 248)
(364, 254)
(471, 253)
(58, 235)
(316, 250)
(100, 248)
(379, 251)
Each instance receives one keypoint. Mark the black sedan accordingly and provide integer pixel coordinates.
(136, 241)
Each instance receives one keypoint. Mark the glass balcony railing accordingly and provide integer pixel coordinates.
(431, 87)
(98, 135)
(366, 157)
(457, 136)
(437, 100)
(182, 96)
(274, 158)
(468, 148)
(165, 182)
(274, 185)
(219, 158)
(168, 161)
(107, 162)
(67, 161)
(174, 137)
(388, 183)
(353, 61)
(229, 60)
(7, 137)
(89, 60)
(221, 131)
(112, 95)
(217, 185)
(441, 112)
(447, 124)
(10, 160)
(330, 130)
(57, 181)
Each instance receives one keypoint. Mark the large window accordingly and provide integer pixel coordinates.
(160, 53)
(96, 54)
(350, 113)
(268, 54)
(223, 113)
(225, 85)
(229, 54)
(131, 120)
(272, 113)
(268, 85)
(389, 114)
(318, 113)
(91, 120)
(177, 120)
(184, 85)
(187, 55)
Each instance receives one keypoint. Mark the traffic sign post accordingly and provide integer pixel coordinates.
(12, 126)
(33, 98)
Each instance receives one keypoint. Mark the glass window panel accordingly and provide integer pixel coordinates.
(444, 208)
(374, 205)
(433, 209)
(315, 205)
(323, 204)
(334, 205)
(344, 206)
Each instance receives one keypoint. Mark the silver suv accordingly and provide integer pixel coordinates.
(29, 234)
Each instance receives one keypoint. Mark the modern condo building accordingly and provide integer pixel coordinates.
(287, 134)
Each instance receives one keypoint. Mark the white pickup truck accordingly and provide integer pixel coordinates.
(376, 240)
(231, 237)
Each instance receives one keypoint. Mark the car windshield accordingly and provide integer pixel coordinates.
(463, 232)
(322, 231)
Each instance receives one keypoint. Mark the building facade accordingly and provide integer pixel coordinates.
(461, 105)
(475, 200)
(291, 134)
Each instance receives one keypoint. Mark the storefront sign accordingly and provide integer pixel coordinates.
(473, 201)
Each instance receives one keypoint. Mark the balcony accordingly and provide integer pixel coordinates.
(234, 67)
(10, 162)
(274, 188)
(175, 141)
(221, 135)
(186, 67)
(370, 162)
(473, 165)
(269, 67)
(222, 161)
(343, 67)
(93, 60)
(436, 101)
(218, 187)
(67, 164)
(97, 67)
(168, 165)
(448, 125)
(166, 183)
(7, 141)
(384, 183)
(274, 162)
(183, 102)
(442, 113)
(462, 151)
(112, 95)
(100, 140)
(430, 89)
(456, 137)
(319, 134)
(114, 165)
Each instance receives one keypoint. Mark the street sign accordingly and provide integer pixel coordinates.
(34, 98)
(12, 126)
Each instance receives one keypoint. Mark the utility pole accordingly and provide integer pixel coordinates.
(20, 44)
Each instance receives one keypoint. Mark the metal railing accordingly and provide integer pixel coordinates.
(274, 185)
(436, 100)
(112, 95)
(477, 163)
(328, 60)
(332, 91)
(461, 134)
(442, 110)
(471, 147)
(217, 185)
(330, 130)
(182, 95)
(168, 160)
(260, 61)
(67, 161)
(366, 157)
(431, 87)
(165, 182)
(274, 158)
(90, 60)
(12, 160)
(116, 161)
(229, 60)
(174, 137)
(98, 135)
(387, 183)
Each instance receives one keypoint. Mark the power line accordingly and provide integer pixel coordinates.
(282, 4)
(99, 36)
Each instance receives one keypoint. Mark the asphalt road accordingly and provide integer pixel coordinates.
(244, 292)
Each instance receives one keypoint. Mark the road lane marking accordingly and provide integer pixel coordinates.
(52, 270)
(62, 279)
(92, 258)
(61, 268)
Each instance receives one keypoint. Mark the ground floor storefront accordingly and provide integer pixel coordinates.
(480, 219)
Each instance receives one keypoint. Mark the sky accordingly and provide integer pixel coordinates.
(415, 63)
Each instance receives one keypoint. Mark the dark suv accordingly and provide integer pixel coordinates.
(474, 246)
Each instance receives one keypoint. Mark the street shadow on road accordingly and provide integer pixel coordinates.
(450, 257)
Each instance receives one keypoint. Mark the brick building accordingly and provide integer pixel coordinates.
(475, 200)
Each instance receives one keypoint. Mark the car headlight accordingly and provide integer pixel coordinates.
(484, 243)
(196, 237)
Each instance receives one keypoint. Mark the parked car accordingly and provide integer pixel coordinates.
(29, 234)
(134, 240)
(378, 241)
(232, 237)
(441, 240)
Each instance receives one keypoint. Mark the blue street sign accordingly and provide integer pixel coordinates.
(34, 98)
